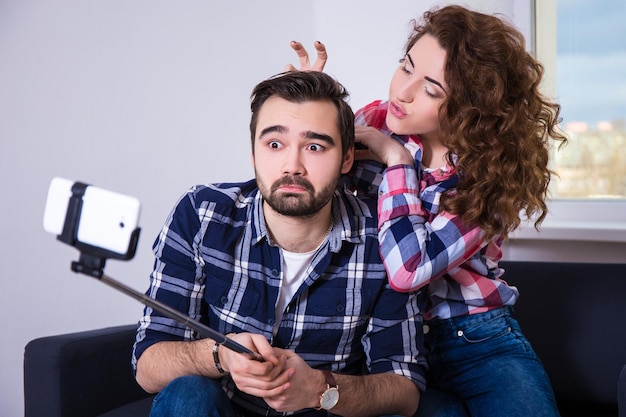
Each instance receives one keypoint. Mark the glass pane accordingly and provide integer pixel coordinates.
(591, 87)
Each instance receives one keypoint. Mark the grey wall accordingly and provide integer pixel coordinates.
(145, 98)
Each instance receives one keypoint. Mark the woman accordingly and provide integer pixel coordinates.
(462, 148)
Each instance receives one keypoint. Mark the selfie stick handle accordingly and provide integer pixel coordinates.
(182, 318)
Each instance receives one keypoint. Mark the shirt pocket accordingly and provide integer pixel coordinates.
(230, 298)
(347, 308)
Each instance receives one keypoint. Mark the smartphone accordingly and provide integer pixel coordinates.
(107, 219)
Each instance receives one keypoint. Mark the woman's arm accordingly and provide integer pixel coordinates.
(418, 247)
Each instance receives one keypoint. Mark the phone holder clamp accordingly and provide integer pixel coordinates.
(92, 258)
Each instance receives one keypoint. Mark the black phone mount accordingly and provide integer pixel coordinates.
(92, 260)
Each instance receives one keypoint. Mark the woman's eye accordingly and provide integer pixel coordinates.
(404, 67)
(436, 94)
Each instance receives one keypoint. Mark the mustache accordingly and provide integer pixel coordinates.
(291, 180)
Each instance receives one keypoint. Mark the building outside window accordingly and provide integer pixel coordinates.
(591, 88)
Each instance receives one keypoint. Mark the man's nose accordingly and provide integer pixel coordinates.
(292, 162)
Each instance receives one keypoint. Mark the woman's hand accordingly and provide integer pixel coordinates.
(380, 147)
(303, 57)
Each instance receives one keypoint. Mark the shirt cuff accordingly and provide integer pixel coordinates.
(398, 194)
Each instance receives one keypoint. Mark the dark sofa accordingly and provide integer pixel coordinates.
(573, 314)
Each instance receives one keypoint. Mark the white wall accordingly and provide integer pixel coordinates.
(144, 97)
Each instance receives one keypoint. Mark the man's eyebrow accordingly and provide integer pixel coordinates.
(308, 134)
(320, 136)
(271, 129)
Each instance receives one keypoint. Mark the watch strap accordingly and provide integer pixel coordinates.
(330, 379)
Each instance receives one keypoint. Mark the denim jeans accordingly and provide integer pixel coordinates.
(192, 396)
(481, 365)
(197, 396)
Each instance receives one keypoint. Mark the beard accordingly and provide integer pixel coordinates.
(296, 204)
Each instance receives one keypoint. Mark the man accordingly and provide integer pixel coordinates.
(288, 266)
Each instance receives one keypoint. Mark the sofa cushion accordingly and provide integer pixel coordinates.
(140, 408)
(574, 316)
(81, 374)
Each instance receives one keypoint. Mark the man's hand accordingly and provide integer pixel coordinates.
(251, 376)
(303, 57)
(303, 389)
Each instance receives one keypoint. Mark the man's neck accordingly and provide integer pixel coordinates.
(298, 234)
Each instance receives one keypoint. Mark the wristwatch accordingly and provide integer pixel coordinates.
(330, 396)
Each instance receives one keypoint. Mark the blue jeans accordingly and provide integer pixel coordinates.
(197, 396)
(192, 396)
(482, 366)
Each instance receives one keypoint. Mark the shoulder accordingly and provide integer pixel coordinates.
(373, 114)
(218, 200)
(223, 193)
(359, 213)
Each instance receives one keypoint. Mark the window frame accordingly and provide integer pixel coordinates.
(575, 229)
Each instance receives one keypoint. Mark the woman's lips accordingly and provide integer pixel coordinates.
(396, 111)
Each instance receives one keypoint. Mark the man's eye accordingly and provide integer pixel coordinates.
(315, 147)
(274, 145)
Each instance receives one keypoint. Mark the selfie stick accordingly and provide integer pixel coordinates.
(92, 260)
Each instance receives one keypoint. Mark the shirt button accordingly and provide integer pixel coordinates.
(274, 272)
(224, 299)
(426, 329)
(340, 308)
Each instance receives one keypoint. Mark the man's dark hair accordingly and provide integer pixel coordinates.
(304, 86)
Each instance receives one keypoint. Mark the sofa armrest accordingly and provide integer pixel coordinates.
(81, 374)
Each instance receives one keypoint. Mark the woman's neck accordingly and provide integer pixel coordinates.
(434, 154)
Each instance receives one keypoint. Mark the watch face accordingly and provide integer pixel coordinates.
(329, 398)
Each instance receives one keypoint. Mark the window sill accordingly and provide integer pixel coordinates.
(574, 231)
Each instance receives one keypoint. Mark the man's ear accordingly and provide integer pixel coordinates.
(348, 161)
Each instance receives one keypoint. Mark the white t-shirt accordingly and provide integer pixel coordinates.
(295, 266)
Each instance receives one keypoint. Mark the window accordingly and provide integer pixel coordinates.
(582, 45)
(591, 88)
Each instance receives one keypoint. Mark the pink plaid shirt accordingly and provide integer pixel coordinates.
(422, 246)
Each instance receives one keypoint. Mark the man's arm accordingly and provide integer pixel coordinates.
(359, 396)
(375, 395)
(164, 361)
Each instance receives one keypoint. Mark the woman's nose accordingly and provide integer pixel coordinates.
(406, 91)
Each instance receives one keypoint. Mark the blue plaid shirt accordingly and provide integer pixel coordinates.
(423, 246)
(215, 261)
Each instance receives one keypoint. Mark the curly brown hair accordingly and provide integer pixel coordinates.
(494, 120)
